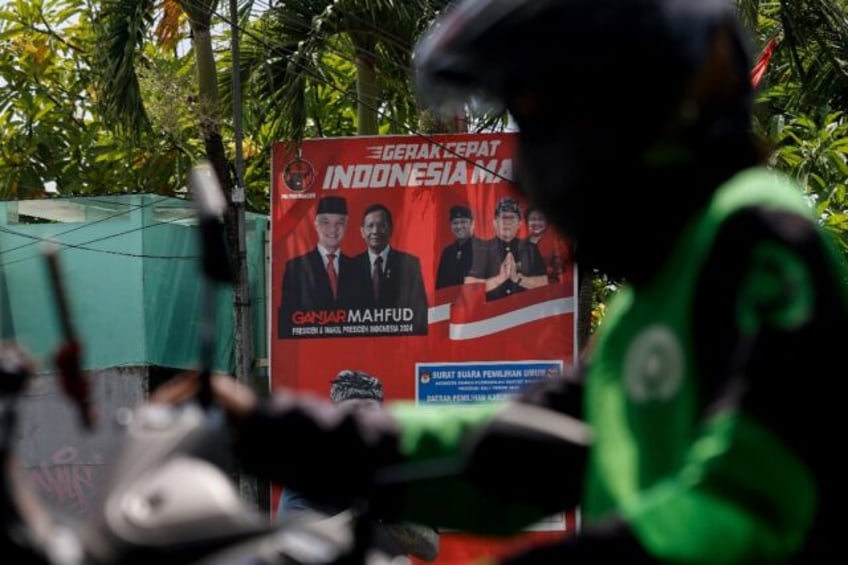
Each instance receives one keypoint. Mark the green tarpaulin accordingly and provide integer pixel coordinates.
(132, 275)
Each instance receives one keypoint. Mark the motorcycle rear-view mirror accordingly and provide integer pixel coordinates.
(211, 205)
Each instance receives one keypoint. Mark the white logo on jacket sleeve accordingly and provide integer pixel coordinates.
(653, 365)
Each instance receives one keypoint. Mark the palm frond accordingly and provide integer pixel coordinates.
(816, 40)
(122, 28)
(301, 49)
(749, 13)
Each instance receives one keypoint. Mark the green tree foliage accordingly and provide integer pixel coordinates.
(814, 150)
(802, 98)
(50, 123)
(305, 54)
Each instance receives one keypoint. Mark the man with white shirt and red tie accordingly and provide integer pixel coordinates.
(319, 279)
(389, 279)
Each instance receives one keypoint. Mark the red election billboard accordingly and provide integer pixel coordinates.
(413, 259)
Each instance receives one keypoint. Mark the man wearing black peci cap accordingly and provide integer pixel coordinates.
(505, 263)
(318, 280)
(457, 257)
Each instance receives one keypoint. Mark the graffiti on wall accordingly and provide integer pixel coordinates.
(68, 483)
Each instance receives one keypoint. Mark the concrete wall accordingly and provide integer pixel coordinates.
(67, 464)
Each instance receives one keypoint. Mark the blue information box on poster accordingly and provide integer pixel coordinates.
(460, 383)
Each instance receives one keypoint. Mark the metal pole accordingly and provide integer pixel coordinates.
(241, 289)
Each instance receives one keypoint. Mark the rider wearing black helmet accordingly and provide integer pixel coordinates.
(705, 396)
(635, 139)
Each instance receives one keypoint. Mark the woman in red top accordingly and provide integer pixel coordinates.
(554, 250)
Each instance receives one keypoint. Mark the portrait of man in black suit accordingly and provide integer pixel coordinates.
(321, 279)
(390, 278)
(505, 263)
(456, 258)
